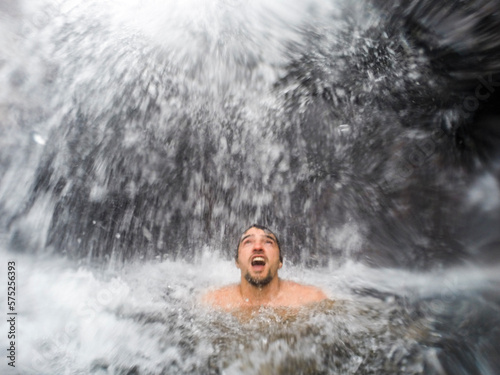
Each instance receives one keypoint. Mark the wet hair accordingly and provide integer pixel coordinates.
(267, 231)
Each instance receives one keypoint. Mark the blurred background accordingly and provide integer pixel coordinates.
(140, 138)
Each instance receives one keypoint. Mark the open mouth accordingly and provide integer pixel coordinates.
(258, 261)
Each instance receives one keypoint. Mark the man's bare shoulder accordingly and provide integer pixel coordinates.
(303, 294)
(224, 297)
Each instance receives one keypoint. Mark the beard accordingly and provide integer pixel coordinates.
(259, 283)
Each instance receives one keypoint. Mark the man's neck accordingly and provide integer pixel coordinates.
(255, 295)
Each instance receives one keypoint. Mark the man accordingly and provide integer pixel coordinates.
(259, 259)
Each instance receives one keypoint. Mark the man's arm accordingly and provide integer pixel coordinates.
(315, 294)
(299, 294)
(222, 298)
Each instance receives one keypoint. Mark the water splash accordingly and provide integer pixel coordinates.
(146, 318)
(139, 137)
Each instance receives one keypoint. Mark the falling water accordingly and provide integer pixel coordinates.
(140, 137)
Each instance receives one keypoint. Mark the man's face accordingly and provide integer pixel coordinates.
(258, 257)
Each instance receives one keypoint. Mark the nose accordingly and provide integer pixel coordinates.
(258, 246)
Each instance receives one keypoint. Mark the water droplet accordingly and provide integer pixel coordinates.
(38, 139)
(344, 128)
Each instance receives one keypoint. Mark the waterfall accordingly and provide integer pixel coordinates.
(139, 138)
